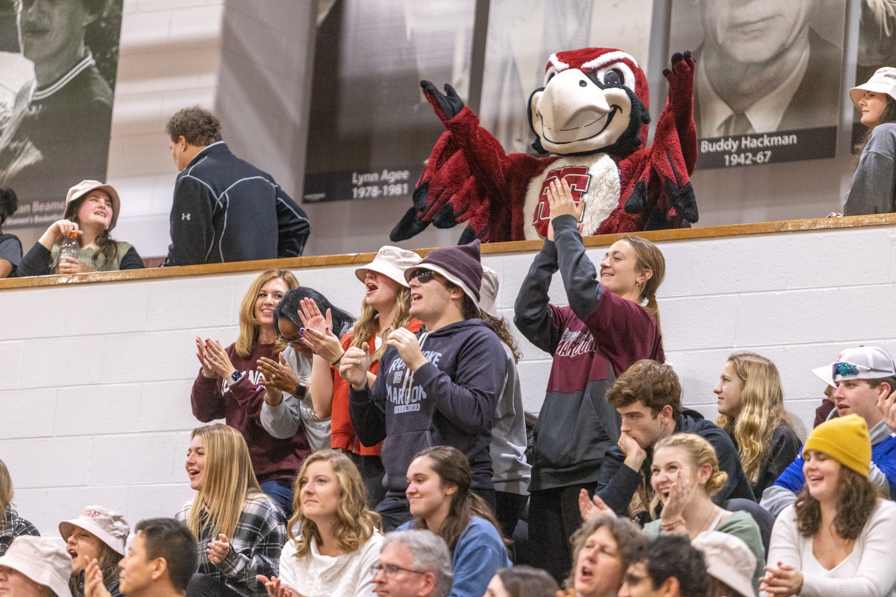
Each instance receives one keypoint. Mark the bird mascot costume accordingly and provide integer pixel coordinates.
(590, 121)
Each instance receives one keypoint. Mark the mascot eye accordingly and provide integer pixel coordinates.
(614, 77)
(583, 83)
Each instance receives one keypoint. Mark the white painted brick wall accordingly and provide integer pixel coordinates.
(95, 384)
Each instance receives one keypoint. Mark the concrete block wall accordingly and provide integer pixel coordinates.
(95, 384)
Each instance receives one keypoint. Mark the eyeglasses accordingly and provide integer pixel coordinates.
(391, 570)
(289, 342)
(422, 275)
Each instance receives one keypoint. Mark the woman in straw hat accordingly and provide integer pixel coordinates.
(836, 539)
(91, 212)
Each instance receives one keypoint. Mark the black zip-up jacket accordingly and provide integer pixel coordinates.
(617, 483)
(226, 209)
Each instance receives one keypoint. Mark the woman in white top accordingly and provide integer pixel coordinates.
(334, 538)
(836, 539)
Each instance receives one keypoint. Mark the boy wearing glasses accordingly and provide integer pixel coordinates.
(439, 386)
(864, 377)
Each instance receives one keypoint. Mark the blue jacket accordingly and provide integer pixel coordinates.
(226, 209)
(479, 554)
(883, 472)
(448, 401)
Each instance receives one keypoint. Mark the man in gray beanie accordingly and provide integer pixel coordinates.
(438, 387)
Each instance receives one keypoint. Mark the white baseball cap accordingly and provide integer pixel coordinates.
(882, 81)
(864, 362)
(391, 262)
(41, 560)
(728, 559)
(110, 527)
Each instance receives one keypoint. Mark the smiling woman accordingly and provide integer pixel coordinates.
(91, 212)
(228, 386)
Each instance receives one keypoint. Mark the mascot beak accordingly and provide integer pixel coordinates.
(571, 113)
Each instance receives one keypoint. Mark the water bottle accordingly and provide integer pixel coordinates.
(70, 246)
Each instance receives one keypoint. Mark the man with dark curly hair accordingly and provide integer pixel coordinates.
(224, 208)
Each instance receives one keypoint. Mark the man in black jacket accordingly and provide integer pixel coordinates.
(648, 398)
(224, 208)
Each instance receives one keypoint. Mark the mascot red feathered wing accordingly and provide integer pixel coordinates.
(591, 122)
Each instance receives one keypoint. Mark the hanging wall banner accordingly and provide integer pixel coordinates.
(58, 62)
(370, 128)
(768, 78)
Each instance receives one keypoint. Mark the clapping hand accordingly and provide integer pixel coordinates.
(218, 359)
(561, 203)
(201, 354)
(276, 588)
(886, 407)
(354, 366)
(318, 332)
(278, 375)
(408, 348)
(781, 581)
(592, 508)
(93, 581)
(218, 549)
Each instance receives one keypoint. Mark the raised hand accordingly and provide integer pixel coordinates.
(354, 366)
(325, 344)
(218, 549)
(276, 588)
(679, 496)
(201, 354)
(277, 374)
(447, 105)
(592, 508)
(312, 318)
(561, 203)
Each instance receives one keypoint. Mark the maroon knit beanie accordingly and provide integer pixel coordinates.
(460, 265)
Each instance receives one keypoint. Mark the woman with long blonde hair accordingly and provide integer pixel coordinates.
(334, 538)
(11, 524)
(240, 530)
(385, 308)
(751, 411)
(229, 386)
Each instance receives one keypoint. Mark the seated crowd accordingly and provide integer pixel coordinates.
(391, 455)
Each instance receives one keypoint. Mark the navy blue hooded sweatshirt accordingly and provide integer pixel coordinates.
(449, 401)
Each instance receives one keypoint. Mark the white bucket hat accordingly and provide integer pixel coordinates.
(392, 263)
(86, 186)
(488, 292)
(110, 527)
(882, 81)
(41, 560)
(728, 559)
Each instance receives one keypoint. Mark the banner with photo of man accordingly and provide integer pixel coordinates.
(58, 61)
(370, 127)
(768, 76)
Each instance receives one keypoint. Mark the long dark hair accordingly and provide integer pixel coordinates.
(502, 330)
(9, 203)
(107, 248)
(857, 499)
(452, 467)
(289, 306)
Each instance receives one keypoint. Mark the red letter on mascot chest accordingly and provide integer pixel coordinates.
(576, 177)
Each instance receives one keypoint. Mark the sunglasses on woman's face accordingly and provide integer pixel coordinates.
(422, 275)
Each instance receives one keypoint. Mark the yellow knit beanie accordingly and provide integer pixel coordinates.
(845, 439)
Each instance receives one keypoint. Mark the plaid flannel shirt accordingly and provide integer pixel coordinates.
(14, 526)
(254, 547)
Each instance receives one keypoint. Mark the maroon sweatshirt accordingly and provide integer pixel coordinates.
(240, 406)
